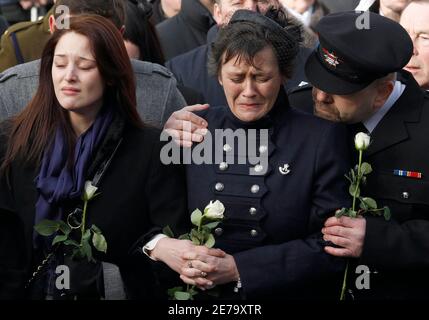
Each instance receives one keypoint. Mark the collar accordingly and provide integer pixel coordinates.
(196, 14)
(372, 122)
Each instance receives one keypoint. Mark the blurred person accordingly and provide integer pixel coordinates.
(24, 41)
(391, 9)
(164, 9)
(188, 29)
(415, 19)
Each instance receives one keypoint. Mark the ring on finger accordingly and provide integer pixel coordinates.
(203, 274)
(190, 264)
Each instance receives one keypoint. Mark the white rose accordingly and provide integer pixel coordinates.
(89, 191)
(214, 210)
(362, 141)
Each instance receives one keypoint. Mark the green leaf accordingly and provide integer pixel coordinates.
(47, 227)
(354, 188)
(196, 217)
(353, 175)
(210, 241)
(363, 205)
(168, 232)
(352, 214)
(95, 229)
(59, 239)
(87, 250)
(185, 237)
(348, 178)
(181, 295)
(70, 242)
(341, 212)
(172, 291)
(387, 214)
(64, 227)
(86, 235)
(365, 168)
(78, 253)
(195, 241)
(99, 242)
(371, 203)
(212, 225)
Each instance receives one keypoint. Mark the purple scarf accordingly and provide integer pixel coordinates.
(55, 182)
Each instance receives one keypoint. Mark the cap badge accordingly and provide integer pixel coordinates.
(330, 58)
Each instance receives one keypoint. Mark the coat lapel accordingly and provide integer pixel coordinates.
(392, 129)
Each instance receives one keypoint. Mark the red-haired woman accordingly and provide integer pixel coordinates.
(82, 125)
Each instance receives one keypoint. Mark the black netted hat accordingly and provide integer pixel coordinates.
(284, 41)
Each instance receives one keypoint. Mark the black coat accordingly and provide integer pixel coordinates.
(277, 245)
(396, 251)
(190, 69)
(138, 195)
(186, 30)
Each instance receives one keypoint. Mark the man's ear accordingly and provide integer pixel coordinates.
(51, 23)
(384, 90)
(217, 14)
(122, 30)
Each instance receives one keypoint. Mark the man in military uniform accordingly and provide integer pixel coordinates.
(365, 87)
(24, 42)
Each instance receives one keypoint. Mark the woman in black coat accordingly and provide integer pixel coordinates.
(82, 131)
(278, 172)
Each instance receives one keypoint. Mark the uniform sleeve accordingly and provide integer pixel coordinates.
(291, 266)
(7, 53)
(395, 246)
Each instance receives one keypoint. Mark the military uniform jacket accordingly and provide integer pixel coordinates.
(273, 221)
(395, 251)
(399, 249)
(24, 42)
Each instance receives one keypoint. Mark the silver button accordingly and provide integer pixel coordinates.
(219, 186)
(253, 233)
(263, 149)
(405, 195)
(253, 211)
(218, 231)
(258, 168)
(223, 166)
(255, 188)
(227, 148)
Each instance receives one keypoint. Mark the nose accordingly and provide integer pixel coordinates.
(415, 51)
(252, 5)
(322, 96)
(70, 73)
(249, 90)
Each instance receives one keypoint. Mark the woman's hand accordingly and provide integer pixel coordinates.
(205, 271)
(172, 251)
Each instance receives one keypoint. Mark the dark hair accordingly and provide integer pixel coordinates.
(244, 39)
(141, 32)
(33, 129)
(114, 10)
